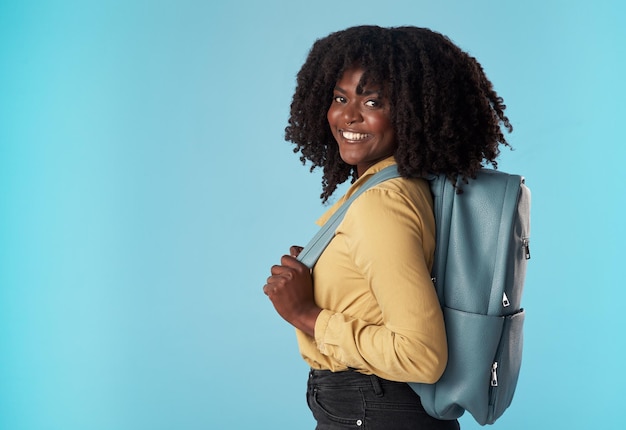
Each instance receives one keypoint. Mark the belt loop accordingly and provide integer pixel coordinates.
(378, 389)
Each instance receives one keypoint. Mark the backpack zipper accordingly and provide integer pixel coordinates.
(526, 248)
(494, 374)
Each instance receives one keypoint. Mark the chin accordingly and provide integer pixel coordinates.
(350, 158)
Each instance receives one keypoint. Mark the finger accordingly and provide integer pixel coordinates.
(275, 282)
(292, 263)
(269, 289)
(289, 261)
(279, 270)
(295, 250)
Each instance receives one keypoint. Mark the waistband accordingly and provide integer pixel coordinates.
(349, 378)
(345, 379)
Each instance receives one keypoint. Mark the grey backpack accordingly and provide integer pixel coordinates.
(479, 269)
(480, 265)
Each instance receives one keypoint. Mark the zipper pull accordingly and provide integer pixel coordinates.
(494, 374)
(526, 248)
(505, 300)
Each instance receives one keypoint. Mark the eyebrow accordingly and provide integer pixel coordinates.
(364, 93)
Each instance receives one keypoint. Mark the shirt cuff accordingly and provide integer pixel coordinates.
(321, 324)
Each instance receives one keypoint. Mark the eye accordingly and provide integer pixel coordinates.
(373, 103)
(339, 99)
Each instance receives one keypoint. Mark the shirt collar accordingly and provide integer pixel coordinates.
(389, 161)
(385, 162)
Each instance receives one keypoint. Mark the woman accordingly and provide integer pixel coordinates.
(367, 317)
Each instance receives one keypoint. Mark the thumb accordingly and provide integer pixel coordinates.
(295, 250)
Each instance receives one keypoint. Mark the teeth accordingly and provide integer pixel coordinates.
(353, 136)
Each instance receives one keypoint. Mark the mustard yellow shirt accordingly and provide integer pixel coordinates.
(380, 310)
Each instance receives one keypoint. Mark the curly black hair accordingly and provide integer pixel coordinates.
(446, 115)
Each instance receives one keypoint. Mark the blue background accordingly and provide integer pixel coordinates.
(145, 190)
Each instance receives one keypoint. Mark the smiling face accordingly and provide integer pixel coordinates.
(361, 122)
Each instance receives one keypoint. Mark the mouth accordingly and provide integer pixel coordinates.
(350, 135)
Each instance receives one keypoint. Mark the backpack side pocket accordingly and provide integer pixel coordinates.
(506, 367)
(473, 342)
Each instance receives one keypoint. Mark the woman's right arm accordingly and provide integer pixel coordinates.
(386, 238)
(290, 288)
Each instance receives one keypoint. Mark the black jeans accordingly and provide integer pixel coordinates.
(351, 400)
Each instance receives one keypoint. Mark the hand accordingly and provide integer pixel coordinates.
(290, 288)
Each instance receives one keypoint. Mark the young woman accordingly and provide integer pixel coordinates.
(367, 317)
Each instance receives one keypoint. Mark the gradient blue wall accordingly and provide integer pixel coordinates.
(145, 190)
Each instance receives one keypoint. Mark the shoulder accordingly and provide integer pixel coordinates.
(413, 191)
(395, 213)
(408, 186)
(400, 196)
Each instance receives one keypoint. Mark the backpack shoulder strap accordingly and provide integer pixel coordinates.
(312, 251)
(443, 193)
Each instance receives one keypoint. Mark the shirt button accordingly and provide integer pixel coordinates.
(359, 423)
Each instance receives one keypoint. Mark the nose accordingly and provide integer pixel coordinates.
(351, 114)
